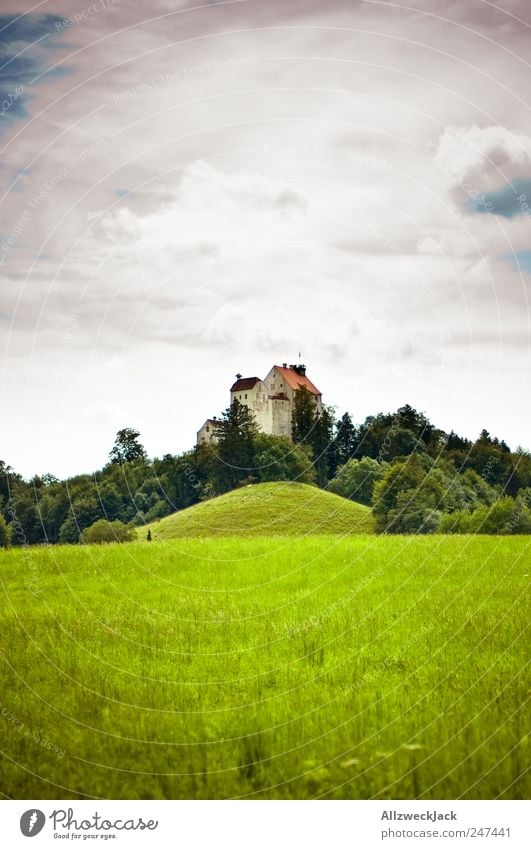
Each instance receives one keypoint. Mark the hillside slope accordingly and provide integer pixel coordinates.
(266, 509)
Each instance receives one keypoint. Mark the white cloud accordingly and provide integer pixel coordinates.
(211, 209)
(488, 156)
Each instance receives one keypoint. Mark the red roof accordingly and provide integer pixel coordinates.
(244, 383)
(295, 380)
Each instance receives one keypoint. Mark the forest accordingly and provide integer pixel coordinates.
(416, 477)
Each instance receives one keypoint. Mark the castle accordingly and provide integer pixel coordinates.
(271, 400)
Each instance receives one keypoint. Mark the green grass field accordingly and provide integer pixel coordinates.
(267, 509)
(363, 667)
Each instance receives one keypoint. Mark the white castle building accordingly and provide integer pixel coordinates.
(271, 400)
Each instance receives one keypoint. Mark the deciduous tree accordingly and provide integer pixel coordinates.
(127, 447)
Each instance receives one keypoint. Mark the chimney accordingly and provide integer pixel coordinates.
(284, 365)
(300, 369)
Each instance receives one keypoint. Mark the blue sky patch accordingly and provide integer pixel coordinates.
(507, 201)
(521, 260)
(26, 43)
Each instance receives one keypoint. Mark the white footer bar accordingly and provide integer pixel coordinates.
(266, 824)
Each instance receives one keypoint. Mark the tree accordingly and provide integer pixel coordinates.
(235, 460)
(417, 511)
(126, 447)
(105, 531)
(314, 429)
(409, 498)
(411, 419)
(521, 519)
(476, 490)
(322, 443)
(8, 478)
(85, 509)
(110, 500)
(38, 482)
(148, 535)
(389, 435)
(521, 474)
(505, 516)
(401, 442)
(69, 531)
(182, 479)
(278, 459)
(492, 462)
(5, 533)
(345, 439)
(356, 479)
(457, 443)
(303, 416)
(24, 515)
(157, 511)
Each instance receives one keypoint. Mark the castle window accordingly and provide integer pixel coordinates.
(246, 396)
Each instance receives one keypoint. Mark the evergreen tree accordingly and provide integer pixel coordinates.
(411, 419)
(322, 442)
(315, 430)
(236, 447)
(303, 416)
(345, 439)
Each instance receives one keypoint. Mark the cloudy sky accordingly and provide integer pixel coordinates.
(190, 190)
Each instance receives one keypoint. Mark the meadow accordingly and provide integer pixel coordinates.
(266, 667)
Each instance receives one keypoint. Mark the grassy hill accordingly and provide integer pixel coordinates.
(267, 509)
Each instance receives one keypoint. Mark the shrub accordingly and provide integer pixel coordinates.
(505, 516)
(105, 531)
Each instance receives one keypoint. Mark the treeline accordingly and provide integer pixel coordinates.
(416, 477)
(132, 489)
(419, 479)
